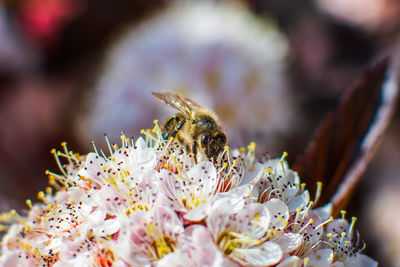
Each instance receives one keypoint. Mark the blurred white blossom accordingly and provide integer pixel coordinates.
(218, 53)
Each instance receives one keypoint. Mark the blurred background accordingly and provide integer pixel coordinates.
(72, 70)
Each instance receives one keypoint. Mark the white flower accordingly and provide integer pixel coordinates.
(242, 230)
(191, 192)
(148, 236)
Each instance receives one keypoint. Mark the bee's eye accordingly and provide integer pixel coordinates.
(204, 139)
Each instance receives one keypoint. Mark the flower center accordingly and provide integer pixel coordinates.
(228, 241)
(163, 246)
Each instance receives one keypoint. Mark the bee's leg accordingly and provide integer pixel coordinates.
(175, 132)
(168, 125)
(194, 151)
(187, 149)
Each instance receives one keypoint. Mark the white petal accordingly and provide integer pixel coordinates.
(292, 261)
(93, 168)
(337, 226)
(324, 212)
(197, 214)
(140, 144)
(321, 257)
(288, 242)
(143, 160)
(360, 260)
(279, 213)
(203, 173)
(250, 176)
(299, 201)
(337, 264)
(109, 227)
(266, 254)
(253, 220)
(219, 213)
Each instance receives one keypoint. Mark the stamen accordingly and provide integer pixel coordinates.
(323, 223)
(306, 261)
(108, 144)
(318, 192)
(95, 148)
(64, 145)
(303, 186)
(306, 225)
(351, 227)
(53, 151)
(29, 203)
(296, 262)
(343, 212)
(41, 196)
(282, 162)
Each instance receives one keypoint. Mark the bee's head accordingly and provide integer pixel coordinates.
(213, 143)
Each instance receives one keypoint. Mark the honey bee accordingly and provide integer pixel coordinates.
(194, 127)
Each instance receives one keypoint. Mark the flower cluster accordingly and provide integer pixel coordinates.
(149, 204)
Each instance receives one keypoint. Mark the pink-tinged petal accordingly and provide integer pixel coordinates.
(82, 259)
(167, 220)
(199, 246)
(148, 236)
(14, 260)
(267, 254)
(178, 259)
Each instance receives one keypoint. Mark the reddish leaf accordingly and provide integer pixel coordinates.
(349, 136)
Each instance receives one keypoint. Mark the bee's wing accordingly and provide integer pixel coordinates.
(192, 104)
(184, 106)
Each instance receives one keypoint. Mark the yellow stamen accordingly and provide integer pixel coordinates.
(318, 192)
(343, 212)
(305, 261)
(49, 190)
(29, 203)
(54, 152)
